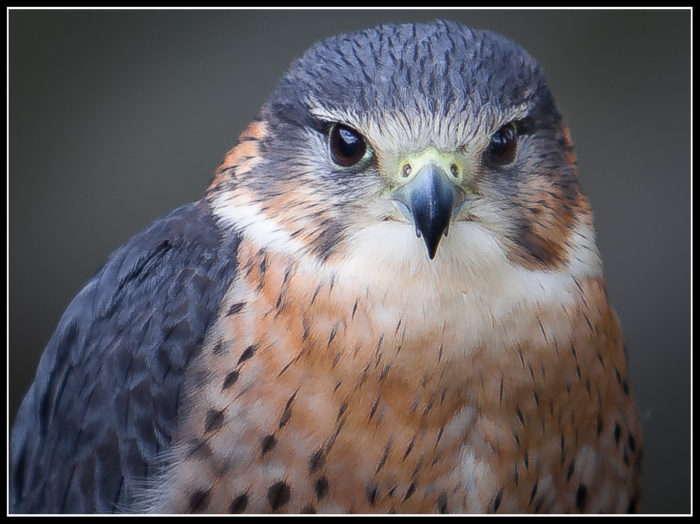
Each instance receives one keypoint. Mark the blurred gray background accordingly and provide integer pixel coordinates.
(117, 117)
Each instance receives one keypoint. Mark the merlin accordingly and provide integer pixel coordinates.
(389, 300)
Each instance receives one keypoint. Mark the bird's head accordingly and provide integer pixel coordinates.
(413, 146)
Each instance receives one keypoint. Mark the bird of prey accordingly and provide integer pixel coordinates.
(389, 299)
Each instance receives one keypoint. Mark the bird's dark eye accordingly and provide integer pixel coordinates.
(503, 145)
(347, 145)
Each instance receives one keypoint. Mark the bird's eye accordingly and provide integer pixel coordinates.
(347, 145)
(503, 145)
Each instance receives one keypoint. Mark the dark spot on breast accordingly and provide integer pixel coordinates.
(382, 461)
(230, 380)
(625, 387)
(581, 495)
(534, 491)
(199, 500)
(317, 461)
(442, 503)
(239, 504)
(263, 264)
(384, 372)
(321, 487)
(590, 327)
(218, 348)
(318, 288)
(630, 442)
(618, 432)
(287, 413)
(600, 424)
(408, 449)
(268, 443)
(440, 433)
(372, 493)
(332, 335)
(411, 489)
(374, 408)
(497, 500)
(279, 300)
(278, 495)
(417, 468)
(526, 460)
(287, 366)
(214, 420)
(334, 436)
(236, 308)
(308, 510)
(570, 473)
(342, 410)
(248, 353)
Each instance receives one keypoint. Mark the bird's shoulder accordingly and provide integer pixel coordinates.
(103, 403)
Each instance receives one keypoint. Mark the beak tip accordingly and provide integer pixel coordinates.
(431, 247)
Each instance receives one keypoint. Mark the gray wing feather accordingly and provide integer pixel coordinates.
(103, 404)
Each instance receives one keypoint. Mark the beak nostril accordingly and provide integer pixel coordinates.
(406, 170)
(455, 170)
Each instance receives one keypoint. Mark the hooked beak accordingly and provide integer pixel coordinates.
(429, 201)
